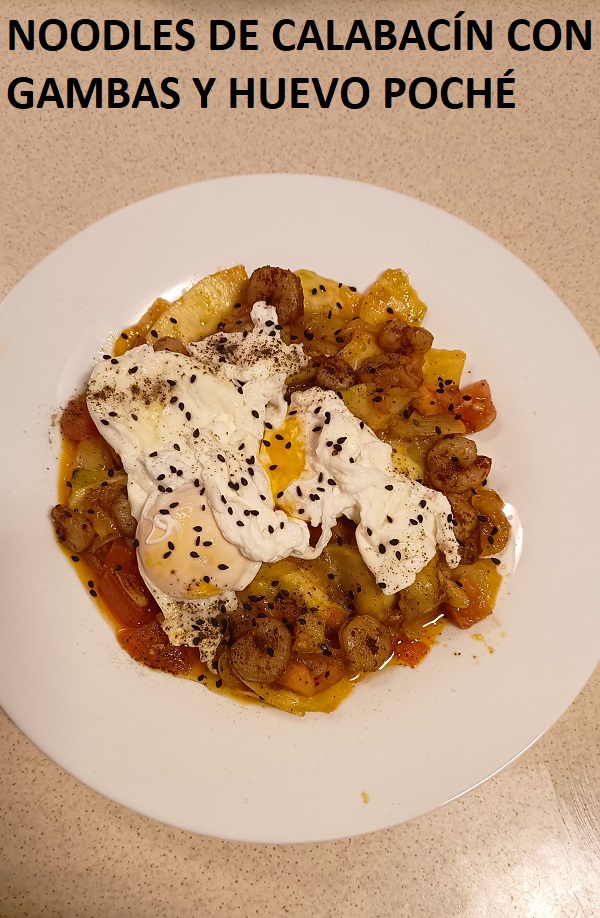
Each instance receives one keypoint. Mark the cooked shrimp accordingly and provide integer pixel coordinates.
(494, 527)
(453, 465)
(464, 517)
(334, 373)
(262, 654)
(366, 643)
(72, 528)
(280, 288)
(411, 340)
(393, 370)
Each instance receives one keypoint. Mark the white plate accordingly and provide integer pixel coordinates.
(410, 740)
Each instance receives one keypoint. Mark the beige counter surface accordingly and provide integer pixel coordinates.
(525, 844)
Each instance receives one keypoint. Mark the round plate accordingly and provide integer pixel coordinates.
(406, 741)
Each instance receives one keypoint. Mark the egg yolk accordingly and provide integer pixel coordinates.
(182, 550)
(283, 455)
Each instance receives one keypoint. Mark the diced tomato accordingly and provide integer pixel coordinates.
(479, 606)
(149, 645)
(409, 651)
(473, 405)
(476, 407)
(127, 596)
(76, 422)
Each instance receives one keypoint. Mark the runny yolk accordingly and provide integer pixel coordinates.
(283, 455)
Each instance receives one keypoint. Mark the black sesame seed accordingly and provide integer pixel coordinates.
(223, 567)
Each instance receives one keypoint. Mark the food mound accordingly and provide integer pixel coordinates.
(269, 487)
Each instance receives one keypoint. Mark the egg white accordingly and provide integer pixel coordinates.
(189, 430)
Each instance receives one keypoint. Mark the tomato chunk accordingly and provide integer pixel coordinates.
(130, 602)
(476, 408)
(76, 422)
(409, 651)
(479, 605)
(149, 645)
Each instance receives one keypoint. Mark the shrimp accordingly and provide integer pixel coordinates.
(464, 517)
(73, 528)
(393, 370)
(334, 373)
(454, 467)
(262, 654)
(410, 340)
(279, 287)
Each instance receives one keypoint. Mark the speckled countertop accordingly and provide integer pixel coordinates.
(525, 844)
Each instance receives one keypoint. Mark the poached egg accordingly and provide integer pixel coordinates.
(223, 475)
